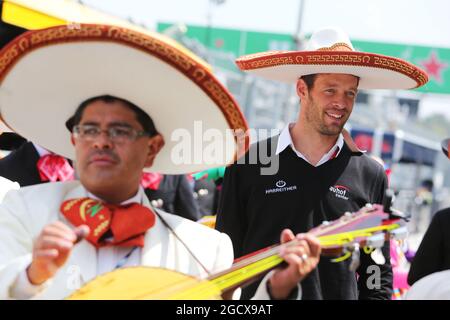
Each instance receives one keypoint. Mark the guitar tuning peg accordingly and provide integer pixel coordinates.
(355, 260)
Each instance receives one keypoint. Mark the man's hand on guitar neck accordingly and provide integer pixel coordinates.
(301, 259)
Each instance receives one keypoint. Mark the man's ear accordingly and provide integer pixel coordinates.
(302, 88)
(72, 139)
(155, 144)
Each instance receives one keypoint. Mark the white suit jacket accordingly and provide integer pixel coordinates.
(24, 213)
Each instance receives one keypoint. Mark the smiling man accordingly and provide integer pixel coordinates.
(321, 174)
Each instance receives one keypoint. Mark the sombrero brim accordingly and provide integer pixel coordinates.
(46, 74)
(375, 71)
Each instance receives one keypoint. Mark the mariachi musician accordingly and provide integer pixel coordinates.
(109, 99)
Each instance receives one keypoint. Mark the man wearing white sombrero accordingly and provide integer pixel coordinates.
(315, 171)
(56, 88)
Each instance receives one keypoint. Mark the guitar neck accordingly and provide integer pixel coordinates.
(332, 237)
(249, 269)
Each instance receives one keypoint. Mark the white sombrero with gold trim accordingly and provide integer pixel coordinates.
(46, 74)
(330, 51)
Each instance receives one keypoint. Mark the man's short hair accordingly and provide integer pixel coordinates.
(311, 78)
(141, 116)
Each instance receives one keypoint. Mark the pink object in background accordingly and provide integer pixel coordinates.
(400, 272)
(151, 180)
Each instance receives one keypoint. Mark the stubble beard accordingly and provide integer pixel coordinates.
(314, 118)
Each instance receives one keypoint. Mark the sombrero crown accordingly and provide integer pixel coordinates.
(46, 74)
(330, 51)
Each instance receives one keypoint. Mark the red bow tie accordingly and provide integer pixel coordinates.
(52, 168)
(123, 226)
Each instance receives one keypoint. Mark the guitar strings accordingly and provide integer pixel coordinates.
(265, 261)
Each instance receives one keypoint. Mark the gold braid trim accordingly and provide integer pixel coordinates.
(338, 59)
(339, 46)
(71, 203)
(102, 226)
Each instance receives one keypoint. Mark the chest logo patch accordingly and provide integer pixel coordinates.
(340, 191)
(281, 186)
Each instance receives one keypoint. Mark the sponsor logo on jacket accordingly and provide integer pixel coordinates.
(340, 191)
(281, 186)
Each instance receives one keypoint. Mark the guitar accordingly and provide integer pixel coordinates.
(367, 228)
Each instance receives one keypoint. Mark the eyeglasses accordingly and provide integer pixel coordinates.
(117, 134)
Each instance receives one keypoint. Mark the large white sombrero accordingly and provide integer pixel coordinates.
(330, 51)
(46, 74)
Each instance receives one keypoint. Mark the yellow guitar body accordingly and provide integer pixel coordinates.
(145, 283)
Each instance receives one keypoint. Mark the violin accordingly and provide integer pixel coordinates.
(368, 228)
